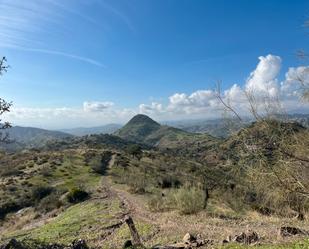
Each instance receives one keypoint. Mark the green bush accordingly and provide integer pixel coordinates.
(189, 200)
(135, 150)
(8, 207)
(49, 203)
(39, 192)
(169, 182)
(137, 184)
(77, 195)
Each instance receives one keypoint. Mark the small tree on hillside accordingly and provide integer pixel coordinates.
(4, 105)
(273, 154)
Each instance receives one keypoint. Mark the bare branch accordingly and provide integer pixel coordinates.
(226, 105)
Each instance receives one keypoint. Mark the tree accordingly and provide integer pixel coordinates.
(4, 105)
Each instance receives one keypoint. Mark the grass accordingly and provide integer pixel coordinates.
(84, 220)
(122, 234)
(298, 245)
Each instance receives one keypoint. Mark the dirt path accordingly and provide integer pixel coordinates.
(130, 203)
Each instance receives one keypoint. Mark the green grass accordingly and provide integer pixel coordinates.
(79, 174)
(84, 220)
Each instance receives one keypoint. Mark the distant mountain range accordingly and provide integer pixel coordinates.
(29, 137)
(140, 129)
(82, 131)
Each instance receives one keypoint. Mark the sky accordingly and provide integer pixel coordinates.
(92, 62)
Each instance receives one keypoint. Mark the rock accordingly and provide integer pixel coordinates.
(291, 231)
(248, 238)
(188, 238)
(189, 242)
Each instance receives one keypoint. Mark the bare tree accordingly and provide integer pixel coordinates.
(303, 77)
(4, 105)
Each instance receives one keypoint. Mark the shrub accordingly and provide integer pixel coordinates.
(134, 150)
(50, 203)
(158, 203)
(46, 171)
(12, 188)
(189, 200)
(39, 192)
(9, 207)
(137, 184)
(100, 163)
(77, 195)
(169, 182)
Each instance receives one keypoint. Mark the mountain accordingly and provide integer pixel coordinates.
(226, 127)
(82, 131)
(29, 137)
(143, 129)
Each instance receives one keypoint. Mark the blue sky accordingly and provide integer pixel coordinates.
(91, 62)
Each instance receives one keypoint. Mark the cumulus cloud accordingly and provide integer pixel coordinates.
(195, 102)
(296, 79)
(153, 108)
(97, 106)
(235, 93)
(263, 80)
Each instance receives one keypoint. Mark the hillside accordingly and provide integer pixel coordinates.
(82, 131)
(29, 137)
(224, 128)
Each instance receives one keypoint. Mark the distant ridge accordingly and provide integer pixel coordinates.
(104, 129)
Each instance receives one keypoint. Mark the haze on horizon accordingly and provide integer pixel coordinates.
(89, 63)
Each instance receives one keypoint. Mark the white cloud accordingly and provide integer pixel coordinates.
(153, 108)
(235, 93)
(263, 80)
(193, 103)
(97, 106)
(296, 79)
